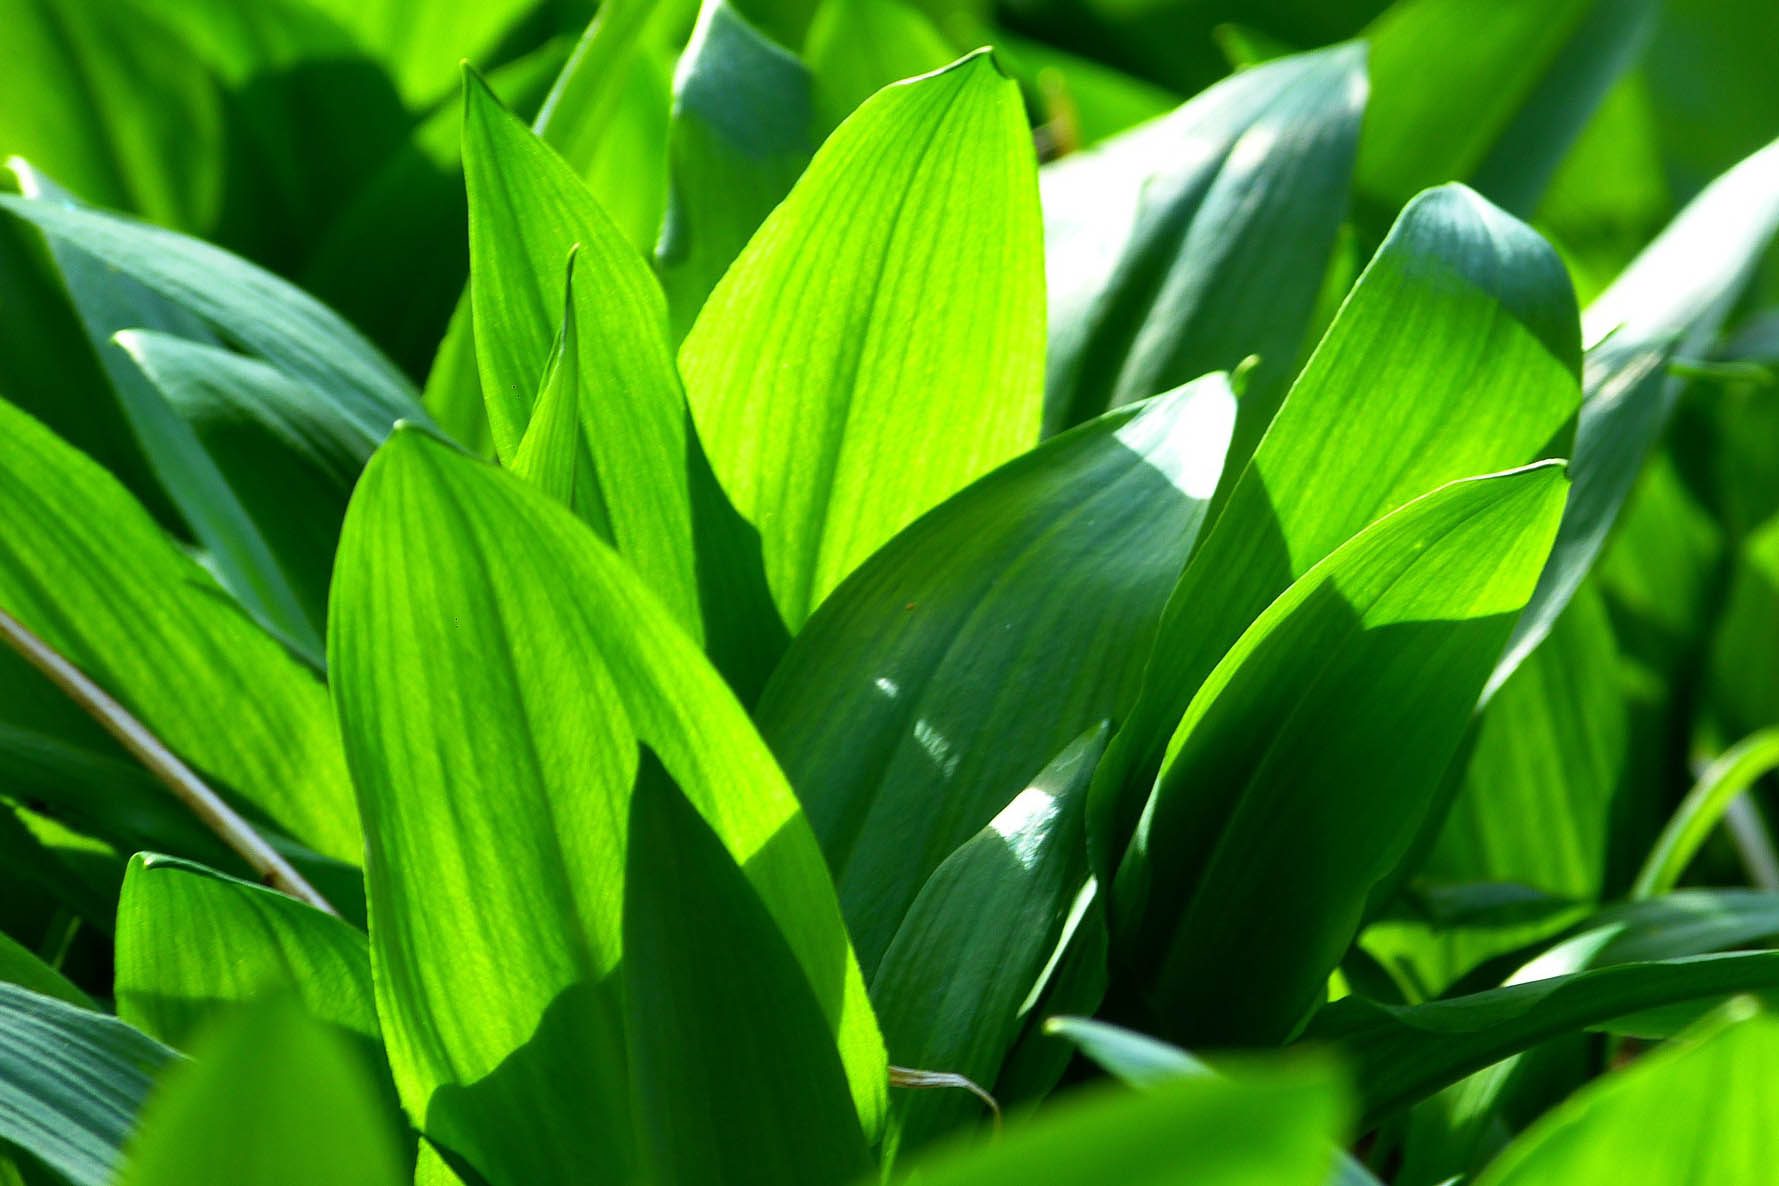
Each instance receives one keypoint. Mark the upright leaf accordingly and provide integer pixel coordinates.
(84, 568)
(1493, 96)
(954, 984)
(1255, 858)
(741, 134)
(493, 726)
(71, 1082)
(896, 290)
(1200, 238)
(1456, 354)
(272, 1098)
(908, 715)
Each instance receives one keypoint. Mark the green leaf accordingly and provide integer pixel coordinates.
(1492, 96)
(898, 288)
(954, 984)
(1456, 354)
(1677, 924)
(1398, 1054)
(350, 383)
(271, 1098)
(908, 715)
(192, 942)
(1672, 299)
(722, 1064)
(85, 569)
(497, 894)
(286, 472)
(549, 453)
(1183, 1131)
(420, 47)
(858, 47)
(1255, 861)
(742, 132)
(1699, 1110)
(71, 1082)
(21, 966)
(1728, 776)
(1200, 238)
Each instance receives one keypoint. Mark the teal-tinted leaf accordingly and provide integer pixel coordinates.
(1255, 859)
(21, 966)
(1456, 354)
(742, 131)
(1700, 1110)
(85, 569)
(737, 1079)
(192, 942)
(1672, 299)
(271, 1098)
(286, 472)
(954, 983)
(350, 383)
(1398, 1054)
(1272, 1127)
(908, 715)
(897, 288)
(71, 1081)
(858, 47)
(1200, 238)
(497, 893)
(1492, 96)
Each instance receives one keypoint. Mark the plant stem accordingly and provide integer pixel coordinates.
(191, 790)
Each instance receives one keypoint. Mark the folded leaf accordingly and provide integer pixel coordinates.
(272, 1098)
(742, 132)
(549, 454)
(1455, 354)
(1398, 1054)
(71, 1082)
(493, 726)
(953, 986)
(85, 569)
(1308, 760)
(925, 693)
(192, 942)
(1200, 238)
(896, 290)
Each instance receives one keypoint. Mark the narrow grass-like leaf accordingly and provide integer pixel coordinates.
(1178, 1132)
(1257, 856)
(21, 966)
(272, 1098)
(1721, 783)
(908, 715)
(1699, 1110)
(71, 1082)
(722, 1062)
(86, 570)
(1200, 238)
(899, 287)
(1666, 302)
(192, 942)
(1398, 1054)
(1456, 354)
(953, 985)
(742, 132)
(497, 892)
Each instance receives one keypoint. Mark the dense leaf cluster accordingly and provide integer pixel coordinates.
(753, 593)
